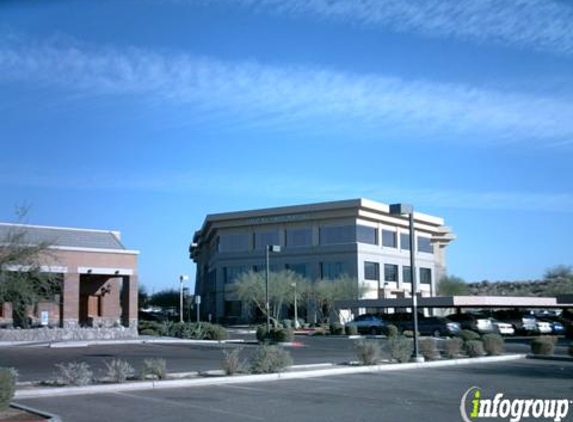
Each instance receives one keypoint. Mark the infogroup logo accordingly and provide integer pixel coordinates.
(473, 407)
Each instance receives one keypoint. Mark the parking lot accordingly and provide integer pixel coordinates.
(38, 363)
(424, 394)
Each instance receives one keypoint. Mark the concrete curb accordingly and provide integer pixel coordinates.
(48, 416)
(86, 343)
(554, 358)
(313, 373)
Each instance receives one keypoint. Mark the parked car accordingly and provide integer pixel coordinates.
(503, 328)
(543, 327)
(523, 322)
(477, 323)
(427, 326)
(369, 323)
(557, 326)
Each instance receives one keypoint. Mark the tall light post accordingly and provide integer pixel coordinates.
(182, 278)
(268, 250)
(401, 209)
(295, 306)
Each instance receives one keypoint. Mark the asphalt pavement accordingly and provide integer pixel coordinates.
(410, 395)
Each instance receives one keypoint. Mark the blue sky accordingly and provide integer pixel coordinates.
(145, 115)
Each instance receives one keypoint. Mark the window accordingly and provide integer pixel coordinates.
(425, 276)
(262, 239)
(365, 234)
(390, 272)
(231, 274)
(330, 270)
(406, 274)
(296, 238)
(371, 271)
(337, 234)
(233, 308)
(300, 269)
(425, 245)
(389, 239)
(405, 241)
(234, 242)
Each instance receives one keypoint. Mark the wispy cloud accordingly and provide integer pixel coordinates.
(542, 25)
(260, 188)
(305, 99)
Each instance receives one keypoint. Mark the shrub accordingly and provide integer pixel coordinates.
(73, 373)
(231, 363)
(474, 348)
(336, 328)
(351, 330)
(8, 378)
(468, 335)
(261, 333)
(429, 349)
(553, 339)
(268, 359)
(148, 332)
(400, 348)
(282, 335)
(392, 331)
(542, 346)
(119, 370)
(215, 332)
(367, 351)
(453, 347)
(493, 344)
(155, 367)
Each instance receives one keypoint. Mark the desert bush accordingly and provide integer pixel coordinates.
(119, 370)
(261, 333)
(231, 362)
(474, 348)
(392, 330)
(336, 328)
(351, 330)
(214, 331)
(400, 348)
(282, 335)
(148, 332)
(268, 359)
(542, 346)
(453, 347)
(468, 335)
(8, 378)
(493, 344)
(429, 348)
(553, 339)
(156, 367)
(367, 351)
(73, 373)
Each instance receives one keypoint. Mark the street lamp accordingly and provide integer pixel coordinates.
(401, 209)
(293, 284)
(182, 278)
(268, 250)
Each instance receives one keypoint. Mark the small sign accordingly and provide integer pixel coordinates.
(45, 317)
(197, 299)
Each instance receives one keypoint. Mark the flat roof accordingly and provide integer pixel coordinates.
(460, 302)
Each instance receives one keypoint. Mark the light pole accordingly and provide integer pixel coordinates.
(295, 306)
(268, 250)
(182, 278)
(401, 209)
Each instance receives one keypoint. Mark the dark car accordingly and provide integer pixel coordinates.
(427, 326)
(523, 321)
(369, 323)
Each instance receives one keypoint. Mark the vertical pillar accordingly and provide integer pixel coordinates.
(129, 301)
(71, 300)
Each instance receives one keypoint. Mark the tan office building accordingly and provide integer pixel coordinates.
(357, 237)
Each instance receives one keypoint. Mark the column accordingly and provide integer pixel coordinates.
(129, 301)
(71, 300)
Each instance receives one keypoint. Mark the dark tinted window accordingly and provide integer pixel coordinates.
(390, 272)
(389, 238)
(365, 234)
(425, 276)
(371, 271)
(300, 269)
(231, 274)
(233, 242)
(424, 245)
(296, 238)
(405, 241)
(337, 234)
(330, 270)
(262, 239)
(406, 274)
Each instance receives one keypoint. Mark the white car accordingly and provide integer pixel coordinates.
(543, 327)
(504, 328)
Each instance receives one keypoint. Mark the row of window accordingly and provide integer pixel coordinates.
(302, 237)
(372, 272)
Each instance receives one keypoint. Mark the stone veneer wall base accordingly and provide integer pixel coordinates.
(68, 334)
